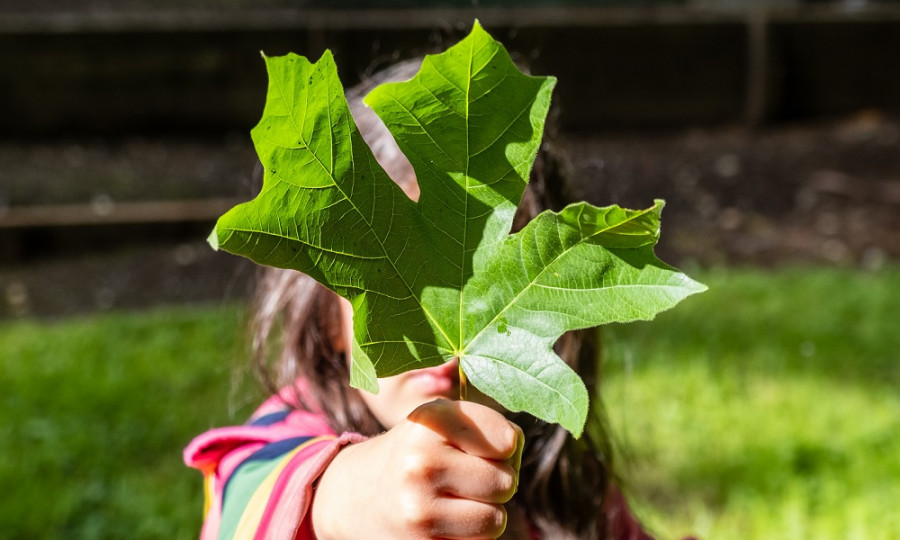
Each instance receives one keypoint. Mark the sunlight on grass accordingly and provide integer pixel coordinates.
(765, 408)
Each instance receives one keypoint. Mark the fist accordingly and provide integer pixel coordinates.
(444, 472)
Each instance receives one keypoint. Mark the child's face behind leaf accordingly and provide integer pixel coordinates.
(400, 394)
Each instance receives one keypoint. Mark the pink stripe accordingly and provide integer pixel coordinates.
(286, 514)
(219, 451)
(210, 447)
(287, 474)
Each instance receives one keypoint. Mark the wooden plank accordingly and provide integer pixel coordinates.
(113, 213)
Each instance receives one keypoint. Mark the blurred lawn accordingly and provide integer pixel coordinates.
(764, 408)
(94, 415)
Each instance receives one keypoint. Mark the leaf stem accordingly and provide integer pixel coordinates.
(463, 385)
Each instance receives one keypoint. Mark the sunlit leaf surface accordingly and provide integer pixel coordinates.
(442, 277)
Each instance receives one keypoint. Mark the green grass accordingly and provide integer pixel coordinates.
(766, 408)
(94, 415)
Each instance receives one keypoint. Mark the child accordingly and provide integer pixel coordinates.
(323, 460)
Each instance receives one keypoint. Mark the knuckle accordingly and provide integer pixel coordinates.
(418, 467)
(415, 516)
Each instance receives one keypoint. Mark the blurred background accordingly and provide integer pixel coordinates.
(767, 407)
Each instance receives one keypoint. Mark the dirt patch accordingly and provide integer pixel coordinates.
(827, 194)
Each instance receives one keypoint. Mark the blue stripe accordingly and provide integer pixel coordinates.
(270, 451)
(276, 449)
(271, 418)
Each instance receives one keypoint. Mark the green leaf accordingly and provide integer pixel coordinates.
(442, 277)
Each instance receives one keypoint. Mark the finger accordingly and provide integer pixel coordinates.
(466, 519)
(478, 479)
(473, 428)
(515, 461)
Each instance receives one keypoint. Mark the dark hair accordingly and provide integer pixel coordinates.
(564, 481)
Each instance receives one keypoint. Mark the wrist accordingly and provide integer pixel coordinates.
(332, 496)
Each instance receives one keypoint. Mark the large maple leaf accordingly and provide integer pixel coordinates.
(442, 277)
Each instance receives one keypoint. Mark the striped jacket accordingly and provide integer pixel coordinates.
(258, 477)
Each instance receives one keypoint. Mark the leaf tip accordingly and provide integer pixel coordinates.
(575, 423)
(213, 239)
(362, 371)
(577, 433)
(698, 287)
(478, 30)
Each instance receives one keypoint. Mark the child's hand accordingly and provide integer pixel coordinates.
(444, 472)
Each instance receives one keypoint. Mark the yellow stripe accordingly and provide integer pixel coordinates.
(207, 492)
(256, 506)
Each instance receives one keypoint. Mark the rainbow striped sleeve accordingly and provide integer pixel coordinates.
(258, 477)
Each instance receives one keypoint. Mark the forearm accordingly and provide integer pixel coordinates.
(331, 501)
